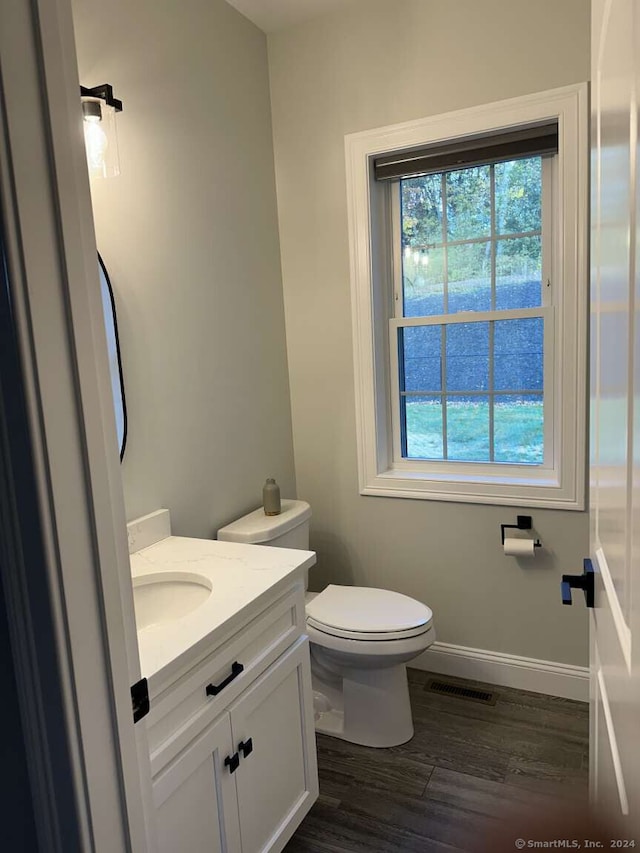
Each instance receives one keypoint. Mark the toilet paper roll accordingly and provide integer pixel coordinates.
(519, 547)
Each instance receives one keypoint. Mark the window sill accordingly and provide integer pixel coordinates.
(501, 491)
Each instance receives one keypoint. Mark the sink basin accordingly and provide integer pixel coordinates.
(166, 596)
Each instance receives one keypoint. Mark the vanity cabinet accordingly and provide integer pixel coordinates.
(239, 775)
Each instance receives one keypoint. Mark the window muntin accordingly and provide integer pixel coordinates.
(470, 242)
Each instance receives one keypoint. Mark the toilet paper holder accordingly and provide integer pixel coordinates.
(523, 522)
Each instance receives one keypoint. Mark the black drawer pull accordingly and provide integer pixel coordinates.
(232, 762)
(246, 747)
(214, 689)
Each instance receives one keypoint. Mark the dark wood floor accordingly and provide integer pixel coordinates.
(468, 768)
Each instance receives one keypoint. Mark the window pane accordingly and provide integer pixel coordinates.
(468, 429)
(422, 282)
(469, 277)
(461, 252)
(421, 356)
(467, 347)
(469, 203)
(519, 273)
(423, 427)
(518, 354)
(421, 200)
(518, 428)
(519, 196)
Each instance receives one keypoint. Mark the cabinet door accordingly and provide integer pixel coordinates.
(277, 780)
(195, 797)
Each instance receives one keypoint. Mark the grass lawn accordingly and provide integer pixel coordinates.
(518, 431)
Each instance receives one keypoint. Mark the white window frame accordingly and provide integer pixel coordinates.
(560, 481)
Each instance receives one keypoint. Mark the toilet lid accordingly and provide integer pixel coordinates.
(368, 613)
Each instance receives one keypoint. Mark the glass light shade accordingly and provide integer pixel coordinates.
(100, 138)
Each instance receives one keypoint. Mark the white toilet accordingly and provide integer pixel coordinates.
(361, 640)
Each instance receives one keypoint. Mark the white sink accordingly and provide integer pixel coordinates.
(166, 596)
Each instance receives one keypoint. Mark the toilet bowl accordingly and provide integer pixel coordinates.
(360, 638)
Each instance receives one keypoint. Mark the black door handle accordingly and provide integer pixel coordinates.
(232, 762)
(214, 689)
(246, 747)
(585, 582)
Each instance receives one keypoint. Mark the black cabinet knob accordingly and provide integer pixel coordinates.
(232, 762)
(246, 747)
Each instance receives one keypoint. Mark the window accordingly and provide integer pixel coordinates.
(472, 241)
(469, 299)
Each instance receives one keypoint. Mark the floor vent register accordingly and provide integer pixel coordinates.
(456, 691)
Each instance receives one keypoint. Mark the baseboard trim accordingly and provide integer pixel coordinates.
(539, 676)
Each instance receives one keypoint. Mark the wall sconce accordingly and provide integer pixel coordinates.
(99, 109)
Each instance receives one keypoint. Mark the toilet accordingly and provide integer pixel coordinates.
(361, 640)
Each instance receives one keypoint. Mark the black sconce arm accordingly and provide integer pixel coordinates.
(105, 93)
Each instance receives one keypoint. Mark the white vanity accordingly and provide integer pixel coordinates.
(221, 633)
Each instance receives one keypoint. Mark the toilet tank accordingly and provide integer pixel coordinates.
(289, 529)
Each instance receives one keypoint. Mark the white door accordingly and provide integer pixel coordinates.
(195, 796)
(615, 415)
(274, 735)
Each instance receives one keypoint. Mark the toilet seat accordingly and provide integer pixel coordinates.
(363, 613)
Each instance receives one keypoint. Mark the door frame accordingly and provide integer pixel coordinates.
(83, 580)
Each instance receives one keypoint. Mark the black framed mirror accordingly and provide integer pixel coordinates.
(113, 346)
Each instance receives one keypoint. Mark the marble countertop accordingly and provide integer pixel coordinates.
(240, 576)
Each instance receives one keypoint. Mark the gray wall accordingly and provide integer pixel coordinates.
(188, 232)
(380, 62)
